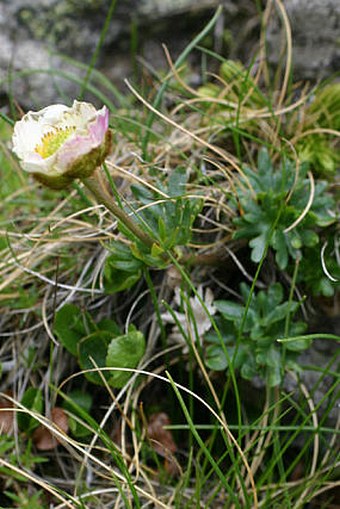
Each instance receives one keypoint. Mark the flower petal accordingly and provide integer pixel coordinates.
(80, 150)
(79, 145)
(30, 129)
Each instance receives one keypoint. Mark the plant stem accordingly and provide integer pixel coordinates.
(102, 197)
(96, 187)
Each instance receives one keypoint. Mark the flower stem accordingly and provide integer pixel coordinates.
(102, 197)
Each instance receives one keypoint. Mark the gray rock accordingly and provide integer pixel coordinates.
(34, 34)
(155, 9)
(315, 26)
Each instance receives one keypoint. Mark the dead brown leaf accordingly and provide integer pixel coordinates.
(162, 441)
(42, 438)
(6, 418)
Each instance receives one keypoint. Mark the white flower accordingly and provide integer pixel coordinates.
(60, 143)
(195, 319)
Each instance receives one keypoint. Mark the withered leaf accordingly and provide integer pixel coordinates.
(42, 438)
(6, 418)
(161, 439)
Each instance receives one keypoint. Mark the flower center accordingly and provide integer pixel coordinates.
(52, 140)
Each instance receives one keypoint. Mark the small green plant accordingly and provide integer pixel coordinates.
(25, 500)
(321, 123)
(277, 450)
(168, 216)
(275, 209)
(170, 213)
(13, 482)
(250, 335)
(234, 85)
(312, 275)
(99, 345)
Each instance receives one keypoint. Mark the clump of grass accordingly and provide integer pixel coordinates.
(166, 359)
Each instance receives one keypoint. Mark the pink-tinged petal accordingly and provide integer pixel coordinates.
(80, 145)
(99, 126)
(72, 150)
(87, 142)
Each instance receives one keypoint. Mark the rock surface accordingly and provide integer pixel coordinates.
(34, 34)
(315, 26)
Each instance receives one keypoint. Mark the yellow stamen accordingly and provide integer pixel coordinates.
(52, 140)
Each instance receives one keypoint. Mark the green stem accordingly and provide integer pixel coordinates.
(309, 336)
(104, 198)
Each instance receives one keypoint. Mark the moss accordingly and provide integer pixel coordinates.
(59, 20)
(37, 22)
(87, 4)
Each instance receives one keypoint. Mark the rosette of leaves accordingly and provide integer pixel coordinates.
(249, 336)
(168, 216)
(271, 200)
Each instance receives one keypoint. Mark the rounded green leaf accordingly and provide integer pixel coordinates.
(124, 352)
(117, 280)
(215, 358)
(92, 351)
(71, 325)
